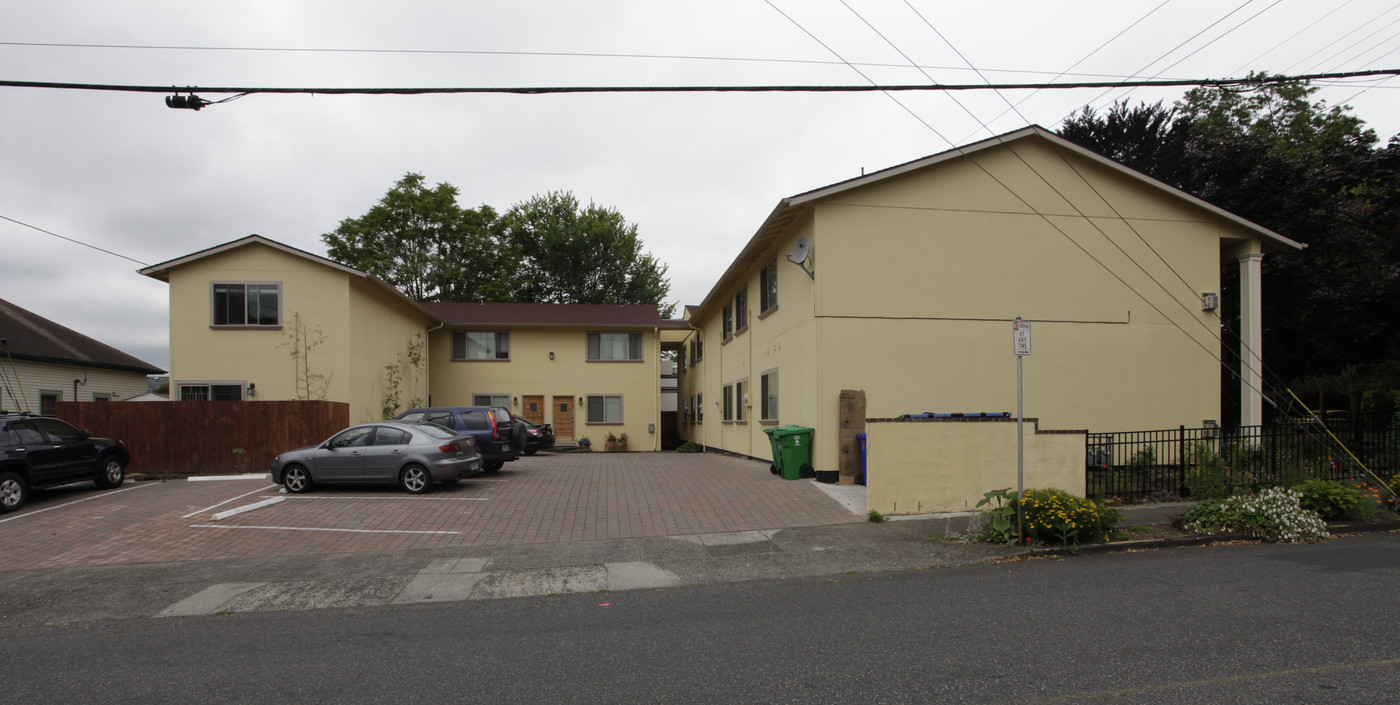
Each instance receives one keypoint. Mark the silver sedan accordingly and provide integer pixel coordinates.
(409, 454)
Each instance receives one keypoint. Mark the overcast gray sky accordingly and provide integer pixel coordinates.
(697, 173)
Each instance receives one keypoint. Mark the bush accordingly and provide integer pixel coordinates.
(1057, 517)
(690, 447)
(1207, 478)
(1331, 500)
(1276, 514)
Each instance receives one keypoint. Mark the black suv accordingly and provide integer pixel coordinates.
(39, 451)
(499, 438)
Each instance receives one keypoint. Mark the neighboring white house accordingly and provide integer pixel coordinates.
(43, 363)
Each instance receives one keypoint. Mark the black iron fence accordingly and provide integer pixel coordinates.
(1141, 465)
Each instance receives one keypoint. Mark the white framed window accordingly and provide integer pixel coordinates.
(210, 391)
(48, 401)
(491, 400)
(604, 408)
(245, 304)
(480, 345)
(741, 310)
(768, 396)
(614, 346)
(768, 287)
(728, 321)
(741, 388)
(728, 402)
(699, 408)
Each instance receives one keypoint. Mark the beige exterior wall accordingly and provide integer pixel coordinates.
(353, 328)
(919, 276)
(530, 371)
(924, 467)
(25, 380)
(383, 332)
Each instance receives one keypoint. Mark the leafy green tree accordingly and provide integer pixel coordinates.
(574, 254)
(1306, 170)
(418, 240)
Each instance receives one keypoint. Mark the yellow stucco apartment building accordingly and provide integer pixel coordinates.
(902, 283)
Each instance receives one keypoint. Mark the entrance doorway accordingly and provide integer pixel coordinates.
(532, 408)
(563, 418)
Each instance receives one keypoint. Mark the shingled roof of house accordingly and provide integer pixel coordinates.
(28, 336)
(596, 315)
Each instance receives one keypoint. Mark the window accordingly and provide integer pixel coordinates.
(699, 347)
(728, 402)
(685, 411)
(57, 430)
(48, 402)
(728, 322)
(245, 304)
(741, 311)
(352, 438)
(211, 392)
(739, 400)
(614, 346)
(480, 345)
(385, 436)
(768, 287)
(25, 432)
(604, 408)
(491, 400)
(699, 408)
(768, 396)
(101, 396)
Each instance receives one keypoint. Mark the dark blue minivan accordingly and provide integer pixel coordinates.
(499, 438)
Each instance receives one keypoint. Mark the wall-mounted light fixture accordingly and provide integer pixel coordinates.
(515, 401)
(580, 401)
(551, 356)
(251, 388)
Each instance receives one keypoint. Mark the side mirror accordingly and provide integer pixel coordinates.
(83, 435)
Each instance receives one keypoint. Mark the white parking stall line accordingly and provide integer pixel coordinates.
(234, 499)
(416, 499)
(248, 508)
(215, 478)
(66, 504)
(308, 528)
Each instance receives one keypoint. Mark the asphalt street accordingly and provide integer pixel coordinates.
(1245, 623)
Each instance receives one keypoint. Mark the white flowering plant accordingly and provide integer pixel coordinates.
(1274, 514)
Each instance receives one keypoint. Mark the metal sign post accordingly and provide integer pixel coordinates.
(1021, 341)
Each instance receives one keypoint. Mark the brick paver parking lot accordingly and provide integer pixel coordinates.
(550, 497)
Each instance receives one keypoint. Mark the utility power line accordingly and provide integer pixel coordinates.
(545, 90)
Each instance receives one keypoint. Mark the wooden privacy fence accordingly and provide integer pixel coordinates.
(207, 437)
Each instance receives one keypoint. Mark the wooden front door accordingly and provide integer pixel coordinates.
(563, 418)
(532, 408)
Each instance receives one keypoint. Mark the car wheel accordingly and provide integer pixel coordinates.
(112, 474)
(531, 452)
(494, 465)
(13, 492)
(296, 479)
(414, 479)
(773, 468)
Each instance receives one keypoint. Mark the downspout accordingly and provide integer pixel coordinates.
(698, 333)
(656, 375)
(428, 362)
(76, 382)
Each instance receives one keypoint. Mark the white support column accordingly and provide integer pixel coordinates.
(1251, 341)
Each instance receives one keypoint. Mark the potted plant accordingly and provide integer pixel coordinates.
(611, 443)
(584, 443)
(622, 441)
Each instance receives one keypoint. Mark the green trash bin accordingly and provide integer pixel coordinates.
(792, 451)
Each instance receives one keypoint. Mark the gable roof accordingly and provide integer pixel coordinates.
(516, 314)
(29, 336)
(789, 210)
(161, 271)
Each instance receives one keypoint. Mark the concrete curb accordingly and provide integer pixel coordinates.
(1340, 529)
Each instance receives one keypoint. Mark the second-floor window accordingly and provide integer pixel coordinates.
(768, 287)
(481, 345)
(741, 311)
(614, 346)
(246, 304)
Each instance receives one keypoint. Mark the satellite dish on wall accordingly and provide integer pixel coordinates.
(801, 252)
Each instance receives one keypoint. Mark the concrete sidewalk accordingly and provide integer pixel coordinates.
(192, 588)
